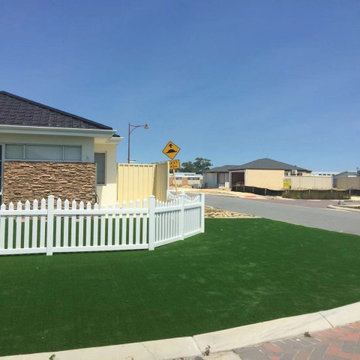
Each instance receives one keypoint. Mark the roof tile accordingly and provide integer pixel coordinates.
(15, 110)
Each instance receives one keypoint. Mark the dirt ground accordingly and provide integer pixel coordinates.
(211, 212)
(226, 192)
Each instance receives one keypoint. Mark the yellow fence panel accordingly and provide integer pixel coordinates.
(139, 181)
(161, 181)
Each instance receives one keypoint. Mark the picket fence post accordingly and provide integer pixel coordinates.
(182, 216)
(202, 216)
(50, 225)
(152, 222)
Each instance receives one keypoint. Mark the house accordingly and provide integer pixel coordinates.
(182, 179)
(48, 151)
(324, 173)
(347, 174)
(347, 180)
(265, 173)
(218, 176)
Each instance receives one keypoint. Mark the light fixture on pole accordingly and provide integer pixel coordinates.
(131, 129)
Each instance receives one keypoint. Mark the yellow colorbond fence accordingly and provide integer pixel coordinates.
(139, 181)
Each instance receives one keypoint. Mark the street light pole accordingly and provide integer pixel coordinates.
(131, 129)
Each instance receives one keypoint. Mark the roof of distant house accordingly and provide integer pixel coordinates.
(16, 110)
(269, 164)
(225, 168)
(347, 174)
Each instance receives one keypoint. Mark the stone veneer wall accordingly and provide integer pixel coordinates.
(36, 180)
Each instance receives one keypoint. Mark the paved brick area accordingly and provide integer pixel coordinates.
(333, 344)
(341, 343)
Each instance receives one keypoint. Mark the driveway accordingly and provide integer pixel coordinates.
(300, 212)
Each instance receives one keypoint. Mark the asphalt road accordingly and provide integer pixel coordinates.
(295, 213)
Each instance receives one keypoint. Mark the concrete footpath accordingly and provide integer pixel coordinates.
(330, 335)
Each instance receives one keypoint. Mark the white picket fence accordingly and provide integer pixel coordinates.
(58, 227)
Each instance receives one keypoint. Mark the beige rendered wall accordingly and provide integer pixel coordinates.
(348, 183)
(107, 194)
(270, 179)
(311, 182)
(86, 143)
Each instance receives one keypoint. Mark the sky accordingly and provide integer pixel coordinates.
(231, 81)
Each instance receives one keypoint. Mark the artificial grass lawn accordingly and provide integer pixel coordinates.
(239, 272)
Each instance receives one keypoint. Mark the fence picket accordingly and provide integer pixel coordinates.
(137, 223)
(42, 224)
(96, 227)
(34, 237)
(123, 226)
(66, 224)
(171, 224)
(117, 225)
(26, 226)
(11, 228)
(110, 227)
(2, 228)
(18, 226)
(81, 225)
(144, 224)
(163, 214)
(152, 222)
(50, 226)
(58, 225)
(103, 229)
(73, 225)
(131, 224)
(88, 225)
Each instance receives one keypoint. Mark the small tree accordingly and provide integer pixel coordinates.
(202, 164)
(198, 166)
(187, 166)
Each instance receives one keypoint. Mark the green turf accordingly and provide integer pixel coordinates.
(238, 272)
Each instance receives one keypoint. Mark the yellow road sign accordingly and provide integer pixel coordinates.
(174, 164)
(171, 150)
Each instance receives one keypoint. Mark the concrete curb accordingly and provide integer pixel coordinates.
(223, 340)
(272, 330)
(334, 207)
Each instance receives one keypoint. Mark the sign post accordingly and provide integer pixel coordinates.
(171, 150)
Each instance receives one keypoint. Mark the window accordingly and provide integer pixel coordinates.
(14, 152)
(100, 168)
(42, 152)
(72, 153)
(36, 152)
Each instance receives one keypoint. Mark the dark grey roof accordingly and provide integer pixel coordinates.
(225, 168)
(15, 110)
(346, 174)
(268, 164)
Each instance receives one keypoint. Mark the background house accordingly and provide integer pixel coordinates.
(47, 151)
(186, 179)
(265, 173)
(347, 180)
(218, 176)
